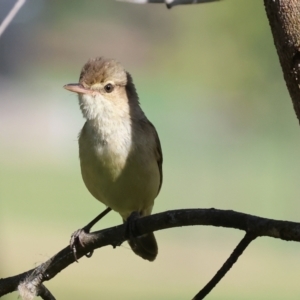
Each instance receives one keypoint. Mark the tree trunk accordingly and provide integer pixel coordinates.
(284, 19)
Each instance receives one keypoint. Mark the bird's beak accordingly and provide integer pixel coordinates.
(77, 88)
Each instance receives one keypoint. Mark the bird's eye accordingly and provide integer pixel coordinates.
(108, 88)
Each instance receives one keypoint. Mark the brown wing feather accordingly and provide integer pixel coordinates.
(159, 156)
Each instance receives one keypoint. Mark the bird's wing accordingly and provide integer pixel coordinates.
(158, 155)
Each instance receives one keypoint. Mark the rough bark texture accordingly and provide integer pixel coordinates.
(284, 19)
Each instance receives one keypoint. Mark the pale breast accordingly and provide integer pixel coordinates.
(120, 175)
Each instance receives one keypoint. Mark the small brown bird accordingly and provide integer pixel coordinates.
(119, 149)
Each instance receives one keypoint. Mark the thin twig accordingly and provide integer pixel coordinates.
(237, 252)
(11, 15)
(44, 293)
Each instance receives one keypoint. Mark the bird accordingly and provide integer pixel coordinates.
(119, 148)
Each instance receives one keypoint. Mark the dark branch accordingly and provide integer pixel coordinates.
(115, 236)
(44, 293)
(285, 26)
(237, 252)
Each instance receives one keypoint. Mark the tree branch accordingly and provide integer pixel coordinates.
(237, 252)
(115, 236)
(11, 15)
(170, 3)
(284, 19)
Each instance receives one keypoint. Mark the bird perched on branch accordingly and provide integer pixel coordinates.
(119, 149)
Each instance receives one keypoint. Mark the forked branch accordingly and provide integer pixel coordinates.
(253, 226)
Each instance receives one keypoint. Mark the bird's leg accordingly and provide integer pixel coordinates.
(131, 230)
(79, 234)
(144, 245)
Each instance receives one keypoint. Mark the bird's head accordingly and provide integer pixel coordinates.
(104, 87)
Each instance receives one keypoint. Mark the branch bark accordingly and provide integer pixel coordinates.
(254, 226)
(284, 19)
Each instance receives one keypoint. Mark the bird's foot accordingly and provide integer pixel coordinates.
(81, 236)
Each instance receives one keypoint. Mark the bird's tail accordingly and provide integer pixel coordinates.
(144, 246)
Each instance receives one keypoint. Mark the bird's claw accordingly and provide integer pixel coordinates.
(80, 235)
(77, 239)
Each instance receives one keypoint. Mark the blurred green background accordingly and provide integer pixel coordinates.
(208, 77)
